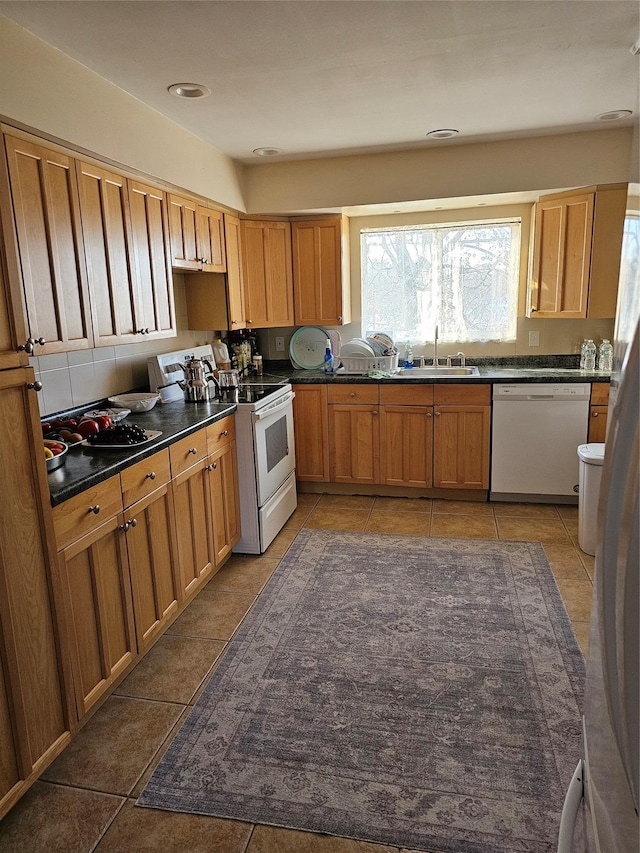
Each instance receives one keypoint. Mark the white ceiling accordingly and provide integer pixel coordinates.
(332, 77)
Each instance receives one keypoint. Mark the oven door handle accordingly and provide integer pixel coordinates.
(273, 408)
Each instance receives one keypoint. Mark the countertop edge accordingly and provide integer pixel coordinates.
(64, 484)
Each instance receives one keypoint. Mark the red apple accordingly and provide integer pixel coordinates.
(87, 427)
(103, 421)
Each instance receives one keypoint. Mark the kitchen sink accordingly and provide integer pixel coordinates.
(434, 372)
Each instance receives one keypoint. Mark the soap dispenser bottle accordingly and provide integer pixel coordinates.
(328, 358)
(408, 356)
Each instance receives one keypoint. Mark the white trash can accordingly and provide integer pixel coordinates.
(591, 461)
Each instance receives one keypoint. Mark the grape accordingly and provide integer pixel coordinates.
(127, 434)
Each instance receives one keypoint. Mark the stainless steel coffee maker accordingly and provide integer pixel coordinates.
(199, 383)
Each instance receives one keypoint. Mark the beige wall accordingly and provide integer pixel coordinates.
(539, 163)
(43, 88)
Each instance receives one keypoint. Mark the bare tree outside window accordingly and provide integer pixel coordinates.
(462, 277)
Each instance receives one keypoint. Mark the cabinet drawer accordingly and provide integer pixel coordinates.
(145, 477)
(600, 393)
(367, 394)
(221, 433)
(406, 395)
(462, 395)
(80, 514)
(188, 451)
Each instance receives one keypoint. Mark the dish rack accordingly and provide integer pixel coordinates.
(363, 364)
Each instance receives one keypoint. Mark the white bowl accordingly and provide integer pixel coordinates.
(135, 402)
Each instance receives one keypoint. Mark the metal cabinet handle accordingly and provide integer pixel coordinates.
(249, 322)
(29, 344)
(124, 527)
(374, 413)
(339, 319)
(594, 414)
(428, 415)
(35, 386)
(193, 450)
(214, 465)
(133, 522)
(437, 414)
(208, 467)
(225, 432)
(352, 394)
(533, 310)
(150, 476)
(94, 509)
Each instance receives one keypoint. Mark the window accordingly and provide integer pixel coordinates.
(462, 277)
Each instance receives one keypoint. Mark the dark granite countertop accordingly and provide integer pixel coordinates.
(86, 466)
(490, 374)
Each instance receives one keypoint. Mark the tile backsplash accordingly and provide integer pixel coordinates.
(71, 379)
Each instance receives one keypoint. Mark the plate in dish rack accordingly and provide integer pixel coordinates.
(150, 435)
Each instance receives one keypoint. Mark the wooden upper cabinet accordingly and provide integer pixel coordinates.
(197, 235)
(321, 271)
(217, 301)
(235, 281)
(210, 240)
(577, 243)
(13, 329)
(106, 228)
(46, 212)
(182, 229)
(267, 271)
(155, 311)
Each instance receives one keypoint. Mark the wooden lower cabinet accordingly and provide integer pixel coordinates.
(153, 564)
(354, 443)
(36, 714)
(409, 436)
(225, 506)
(598, 412)
(194, 531)
(311, 425)
(461, 436)
(99, 589)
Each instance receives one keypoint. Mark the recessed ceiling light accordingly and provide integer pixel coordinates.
(267, 152)
(614, 115)
(442, 133)
(189, 90)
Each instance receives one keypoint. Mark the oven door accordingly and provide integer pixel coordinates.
(274, 445)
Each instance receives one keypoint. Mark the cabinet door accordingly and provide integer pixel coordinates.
(562, 256)
(354, 444)
(9, 761)
(320, 275)
(51, 252)
(406, 446)
(266, 253)
(182, 230)
(153, 563)
(210, 240)
(196, 555)
(461, 447)
(235, 284)
(155, 312)
(107, 243)
(34, 674)
(99, 589)
(225, 507)
(13, 329)
(598, 424)
(311, 425)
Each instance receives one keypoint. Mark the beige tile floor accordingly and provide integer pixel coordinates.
(85, 801)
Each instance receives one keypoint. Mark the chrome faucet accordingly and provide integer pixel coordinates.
(463, 360)
(435, 347)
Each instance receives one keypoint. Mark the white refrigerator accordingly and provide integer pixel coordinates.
(603, 794)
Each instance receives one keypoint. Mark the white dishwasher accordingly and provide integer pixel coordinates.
(537, 429)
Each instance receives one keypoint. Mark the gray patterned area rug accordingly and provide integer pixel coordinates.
(416, 692)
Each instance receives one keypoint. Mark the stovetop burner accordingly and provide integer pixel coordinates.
(249, 393)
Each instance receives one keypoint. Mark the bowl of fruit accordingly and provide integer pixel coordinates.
(55, 453)
(73, 431)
